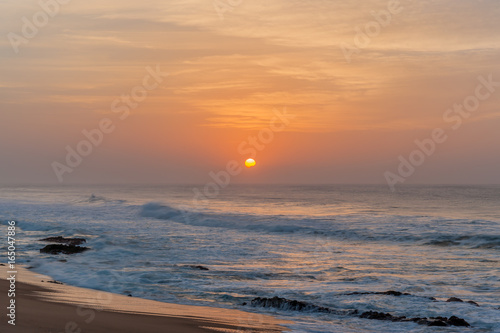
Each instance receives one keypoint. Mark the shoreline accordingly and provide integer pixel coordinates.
(50, 307)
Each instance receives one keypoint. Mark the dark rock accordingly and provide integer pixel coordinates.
(2, 264)
(65, 249)
(377, 315)
(129, 295)
(294, 305)
(62, 240)
(389, 292)
(384, 316)
(286, 304)
(201, 268)
(473, 303)
(454, 299)
(423, 321)
(437, 323)
(54, 282)
(394, 293)
(244, 303)
(415, 320)
(434, 321)
(455, 321)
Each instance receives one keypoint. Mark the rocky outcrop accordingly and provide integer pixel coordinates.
(62, 240)
(433, 321)
(294, 305)
(389, 293)
(201, 268)
(454, 299)
(455, 321)
(398, 294)
(64, 249)
(286, 304)
(64, 245)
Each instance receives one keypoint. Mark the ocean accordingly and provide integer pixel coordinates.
(339, 247)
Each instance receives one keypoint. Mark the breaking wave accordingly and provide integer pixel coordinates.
(342, 227)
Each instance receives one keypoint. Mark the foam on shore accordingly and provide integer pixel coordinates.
(92, 303)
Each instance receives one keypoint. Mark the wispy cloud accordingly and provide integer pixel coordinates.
(262, 54)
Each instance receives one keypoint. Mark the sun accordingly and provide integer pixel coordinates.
(250, 163)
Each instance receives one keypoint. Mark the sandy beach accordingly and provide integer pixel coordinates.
(43, 306)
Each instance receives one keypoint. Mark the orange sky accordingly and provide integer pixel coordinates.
(352, 119)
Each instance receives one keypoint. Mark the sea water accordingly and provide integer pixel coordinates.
(330, 246)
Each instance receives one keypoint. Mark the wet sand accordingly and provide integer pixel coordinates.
(49, 307)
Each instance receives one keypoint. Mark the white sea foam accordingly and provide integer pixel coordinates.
(437, 232)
